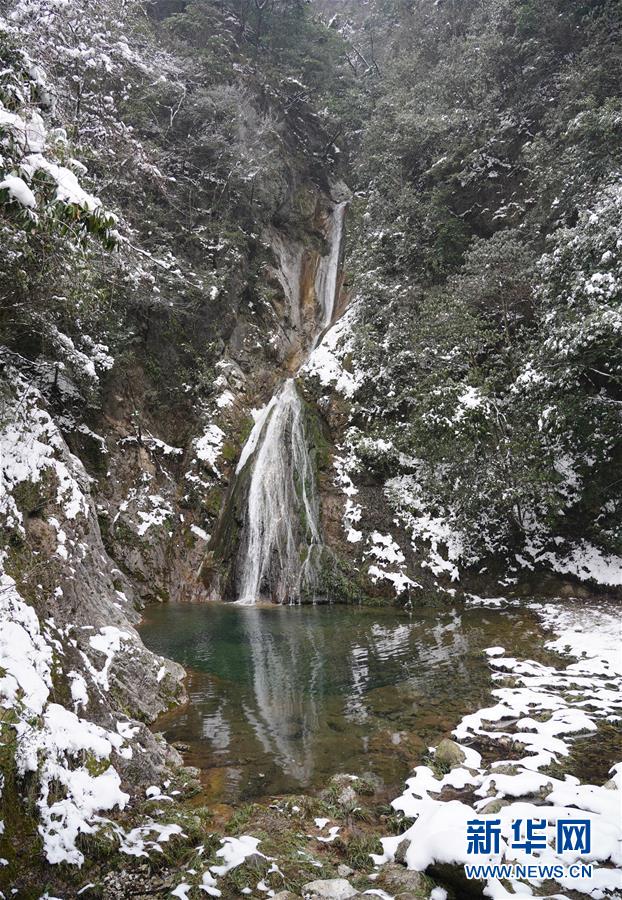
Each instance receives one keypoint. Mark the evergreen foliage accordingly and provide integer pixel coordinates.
(487, 261)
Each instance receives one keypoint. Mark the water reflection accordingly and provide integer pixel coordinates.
(216, 730)
(354, 706)
(282, 698)
(283, 717)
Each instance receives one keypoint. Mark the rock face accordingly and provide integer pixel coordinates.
(330, 889)
(268, 541)
(79, 685)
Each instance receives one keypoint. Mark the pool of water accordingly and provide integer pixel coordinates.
(282, 698)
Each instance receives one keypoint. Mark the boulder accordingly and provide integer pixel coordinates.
(256, 861)
(402, 849)
(494, 807)
(346, 794)
(329, 889)
(449, 755)
(398, 880)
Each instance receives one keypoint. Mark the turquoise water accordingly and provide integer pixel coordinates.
(282, 698)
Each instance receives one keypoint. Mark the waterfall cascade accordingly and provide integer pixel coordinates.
(328, 271)
(281, 544)
(282, 505)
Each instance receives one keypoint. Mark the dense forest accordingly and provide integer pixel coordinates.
(304, 302)
(488, 272)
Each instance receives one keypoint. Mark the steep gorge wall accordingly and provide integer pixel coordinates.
(135, 345)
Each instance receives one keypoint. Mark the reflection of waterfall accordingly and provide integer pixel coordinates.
(280, 698)
(281, 541)
(285, 717)
(216, 729)
(283, 532)
(354, 706)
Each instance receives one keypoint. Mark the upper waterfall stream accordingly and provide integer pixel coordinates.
(281, 538)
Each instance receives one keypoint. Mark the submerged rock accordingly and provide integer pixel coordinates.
(330, 889)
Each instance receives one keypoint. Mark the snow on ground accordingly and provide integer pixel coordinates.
(540, 709)
(142, 509)
(31, 448)
(200, 533)
(51, 740)
(157, 514)
(327, 362)
(224, 400)
(233, 852)
(209, 447)
(593, 634)
(584, 561)
(70, 760)
(429, 532)
(108, 642)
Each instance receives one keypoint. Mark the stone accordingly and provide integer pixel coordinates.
(346, 784)
(402, 849)
(256, 860)
(494, 807)
(505, 770)
(285, 895)
(172, 757)
(399, 880)
(347, 796)
(329, 889)
(448, 754)
(344, 871)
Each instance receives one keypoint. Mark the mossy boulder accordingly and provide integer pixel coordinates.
(448, 755)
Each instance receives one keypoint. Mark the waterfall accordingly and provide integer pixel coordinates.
(328, 271)
(282, 506)
(281, 544)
